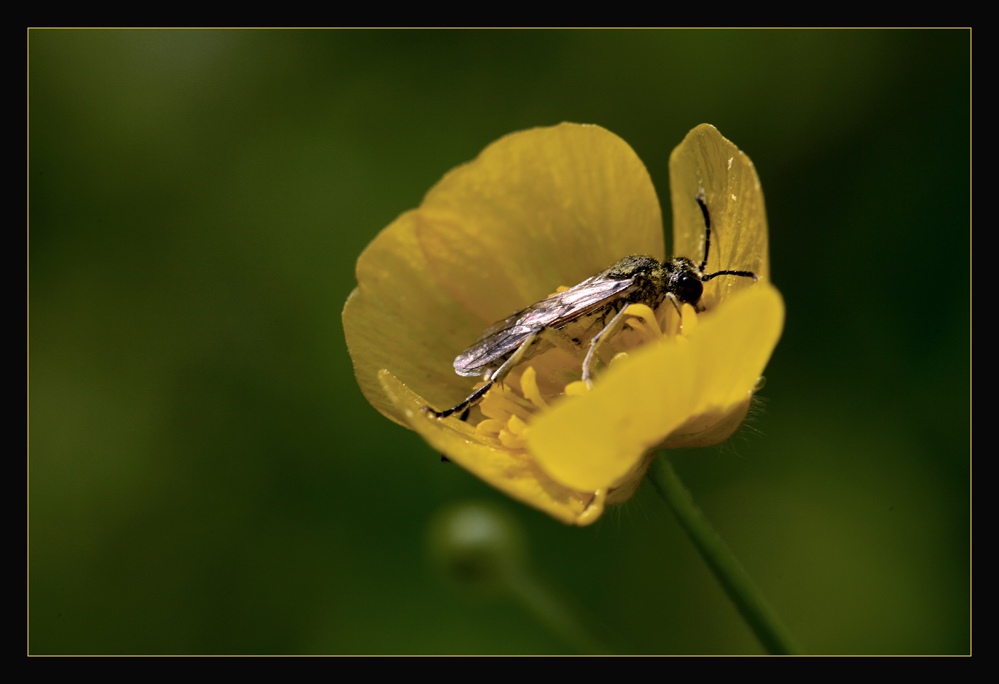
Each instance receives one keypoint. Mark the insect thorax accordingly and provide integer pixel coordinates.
(654, 280)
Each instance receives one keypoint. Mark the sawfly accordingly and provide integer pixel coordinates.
(634, 279)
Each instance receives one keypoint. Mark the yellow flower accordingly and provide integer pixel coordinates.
(546, 208)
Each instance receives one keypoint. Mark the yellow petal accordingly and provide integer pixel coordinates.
(398, 317)
(599, 440)
(512, 472)
(537, 209)
(706, 163)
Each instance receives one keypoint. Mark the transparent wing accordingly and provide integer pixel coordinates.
(502, 339)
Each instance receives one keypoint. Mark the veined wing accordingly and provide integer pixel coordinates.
(502, 339)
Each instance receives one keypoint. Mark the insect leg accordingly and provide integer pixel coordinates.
(676, 305)
(462, 406)
(490, 377)
(610, 327)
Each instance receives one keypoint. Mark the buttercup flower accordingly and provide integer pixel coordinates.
(544, 209)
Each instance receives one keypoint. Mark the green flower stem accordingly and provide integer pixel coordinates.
(482, 548)
(723, 563)
(553, 612)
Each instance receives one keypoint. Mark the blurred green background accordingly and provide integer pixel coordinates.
(204, 474)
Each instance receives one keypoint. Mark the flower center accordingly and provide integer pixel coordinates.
(510, 405)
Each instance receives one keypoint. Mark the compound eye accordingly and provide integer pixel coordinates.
(689, 289)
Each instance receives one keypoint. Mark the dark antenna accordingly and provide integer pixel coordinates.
(707, 247)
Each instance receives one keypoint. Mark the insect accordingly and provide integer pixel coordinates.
(633, 279)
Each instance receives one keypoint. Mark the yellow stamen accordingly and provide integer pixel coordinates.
(643, 320)
(529, 386)
(509, 406)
